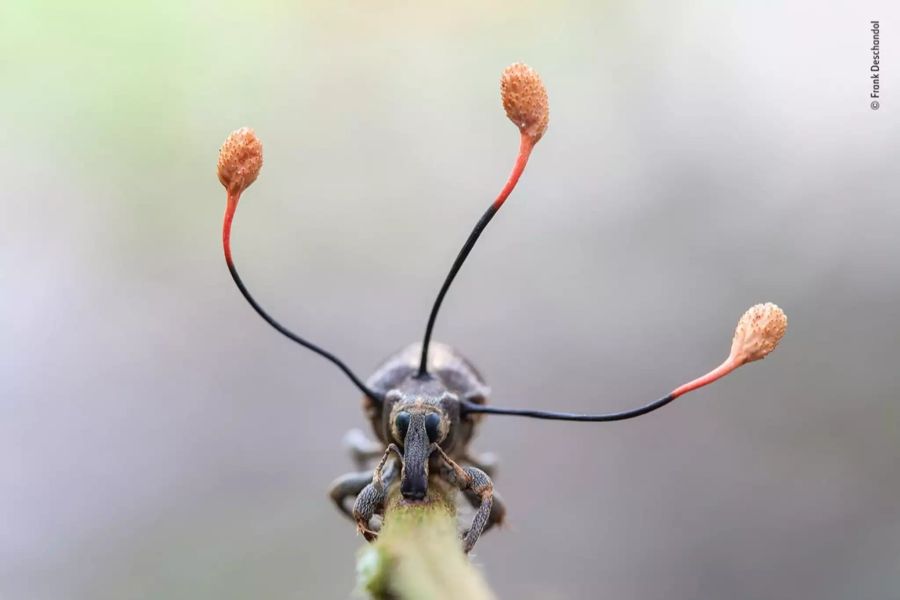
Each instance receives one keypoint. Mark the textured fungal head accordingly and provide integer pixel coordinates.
(525, 100)
(240, 160)
(758, 332)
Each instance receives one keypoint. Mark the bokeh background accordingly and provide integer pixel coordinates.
(157, 440)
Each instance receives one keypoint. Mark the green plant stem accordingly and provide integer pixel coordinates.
(418, 555)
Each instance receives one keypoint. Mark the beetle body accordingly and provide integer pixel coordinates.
(451, 378)
(421, 429)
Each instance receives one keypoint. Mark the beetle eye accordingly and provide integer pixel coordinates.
(432, 426)
(402, 424)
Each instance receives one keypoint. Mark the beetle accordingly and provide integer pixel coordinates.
(425, 402)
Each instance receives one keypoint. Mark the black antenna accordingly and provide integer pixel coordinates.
(758, 332)
(521, 161)
(525, 101)
(296, 338)
(239, 163)
(472, 408)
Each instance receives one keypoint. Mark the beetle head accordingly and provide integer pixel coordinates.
(420, 414)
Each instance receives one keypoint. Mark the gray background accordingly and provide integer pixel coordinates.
(157, 440)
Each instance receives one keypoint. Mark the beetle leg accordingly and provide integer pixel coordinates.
(370, 500)
(497, 515)
(348, 485)
(352, 484)
(362, 448)
(470, 479)
(486, 461)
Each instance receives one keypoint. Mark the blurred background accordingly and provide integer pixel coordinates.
(157, 440)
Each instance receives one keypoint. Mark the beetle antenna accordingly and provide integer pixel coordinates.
(758, 332)
(240, 160)
(526, 104)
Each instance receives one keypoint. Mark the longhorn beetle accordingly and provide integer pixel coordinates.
(425, 402)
